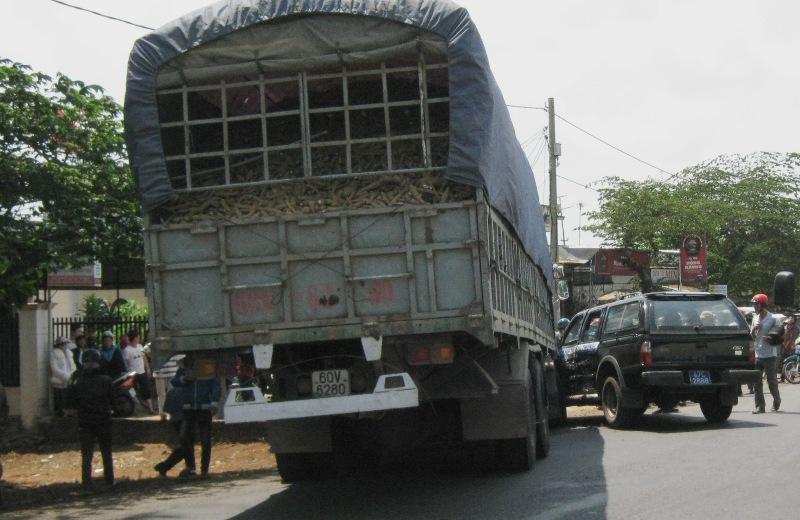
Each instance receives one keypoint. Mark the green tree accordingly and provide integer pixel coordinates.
(66, 194)
(746, 207)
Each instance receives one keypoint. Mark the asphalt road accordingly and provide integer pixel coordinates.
(669, 466)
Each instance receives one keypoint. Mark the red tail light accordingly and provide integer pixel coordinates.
(646, 353)
(752, 356)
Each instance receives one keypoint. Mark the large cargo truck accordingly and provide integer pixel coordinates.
(337, 210)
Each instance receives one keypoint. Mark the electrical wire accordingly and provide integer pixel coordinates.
(661, 170)
(101, 15)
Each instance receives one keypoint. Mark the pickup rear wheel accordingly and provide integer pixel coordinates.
(616, 415)
(714, 411)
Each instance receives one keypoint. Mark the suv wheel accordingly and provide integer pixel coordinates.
(714, 411)
(616, 415)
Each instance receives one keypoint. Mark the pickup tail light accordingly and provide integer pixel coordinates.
(646, 353)
(751, 357)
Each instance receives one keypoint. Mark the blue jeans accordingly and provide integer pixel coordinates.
(770, 366)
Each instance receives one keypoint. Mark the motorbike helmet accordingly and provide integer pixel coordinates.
(90, 357)
(760, 298)
(563, 322)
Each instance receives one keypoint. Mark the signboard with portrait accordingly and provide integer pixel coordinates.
(693, 259)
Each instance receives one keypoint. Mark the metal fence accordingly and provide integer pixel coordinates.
(9, 347)
(119, 326)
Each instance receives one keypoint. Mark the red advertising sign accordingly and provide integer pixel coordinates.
(693, 259)
(609, 261)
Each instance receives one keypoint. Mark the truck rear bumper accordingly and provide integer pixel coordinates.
(392, 391)
(675, 378)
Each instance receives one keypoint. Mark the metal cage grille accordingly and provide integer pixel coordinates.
(236, 132)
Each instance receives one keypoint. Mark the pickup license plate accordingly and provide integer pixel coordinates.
(699, 377)
(330, 383)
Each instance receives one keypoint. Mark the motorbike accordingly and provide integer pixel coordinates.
(123, 403)
(791, 367)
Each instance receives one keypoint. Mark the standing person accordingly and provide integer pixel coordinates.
(91, 340)
(62, 365)
(112, 363)
(200, 403)
(136, 360)
(790, 333)
(562, 327)
(81, 347)
(91, 396)
(766, 354)
(75, 330)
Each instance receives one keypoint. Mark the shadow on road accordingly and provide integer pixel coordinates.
(570, 483)
(121, 497)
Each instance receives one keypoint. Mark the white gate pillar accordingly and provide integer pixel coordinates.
(34, 363)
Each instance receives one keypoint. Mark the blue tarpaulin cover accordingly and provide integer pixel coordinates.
(483, 148)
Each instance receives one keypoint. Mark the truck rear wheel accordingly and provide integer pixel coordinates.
(714, 411)
(616, 415)
(294, 467)
(542, 412)
(519, 454)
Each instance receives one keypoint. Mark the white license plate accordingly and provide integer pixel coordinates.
(699, 377)
(330, 383)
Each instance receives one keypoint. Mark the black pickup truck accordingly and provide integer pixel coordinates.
(658, 348)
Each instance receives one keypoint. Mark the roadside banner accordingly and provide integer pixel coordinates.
(693, 259)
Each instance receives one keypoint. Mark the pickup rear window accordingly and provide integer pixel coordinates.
(699, 315)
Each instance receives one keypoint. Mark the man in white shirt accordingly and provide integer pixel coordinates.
(766, 354)
(136, 360)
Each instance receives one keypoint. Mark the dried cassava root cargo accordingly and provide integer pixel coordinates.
(313, 196)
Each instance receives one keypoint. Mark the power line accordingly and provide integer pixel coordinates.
(584, 186)
(527, 108)
(102, 15)
(597, 138)
(614, 147)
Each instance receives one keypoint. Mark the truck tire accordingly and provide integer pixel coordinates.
(615, 414)
(542, 412)
(714, 411)
(294, 467)
(519, 454)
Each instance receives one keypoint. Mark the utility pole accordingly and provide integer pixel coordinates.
(554, 152)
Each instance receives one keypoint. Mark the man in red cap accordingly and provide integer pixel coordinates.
(766, 354)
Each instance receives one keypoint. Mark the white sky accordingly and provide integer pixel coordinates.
(673, 83)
